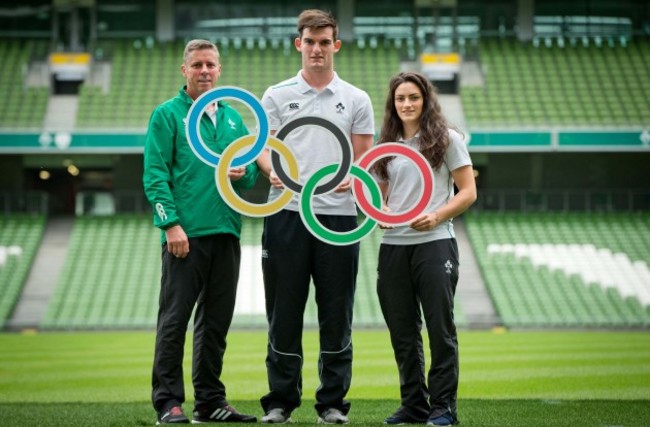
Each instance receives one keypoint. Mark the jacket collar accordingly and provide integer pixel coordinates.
(182, 94)
(304, 87)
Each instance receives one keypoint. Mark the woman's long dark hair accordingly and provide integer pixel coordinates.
(434, 129)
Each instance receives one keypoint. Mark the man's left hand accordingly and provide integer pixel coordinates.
(236, 174)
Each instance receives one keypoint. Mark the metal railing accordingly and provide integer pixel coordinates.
(32, 202)
(592, 200)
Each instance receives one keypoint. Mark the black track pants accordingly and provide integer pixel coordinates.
(208, 278)
(415, 280)
(291, 255)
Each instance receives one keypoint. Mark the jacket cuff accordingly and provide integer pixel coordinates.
(168, 225)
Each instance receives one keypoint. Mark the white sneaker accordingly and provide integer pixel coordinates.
(276, 416)
(332, 416)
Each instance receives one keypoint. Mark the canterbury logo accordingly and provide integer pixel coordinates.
(160, 210)
(294, 106)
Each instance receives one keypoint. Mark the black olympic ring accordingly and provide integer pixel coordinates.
(344, 166)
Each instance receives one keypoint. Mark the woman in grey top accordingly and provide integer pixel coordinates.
(418, 262)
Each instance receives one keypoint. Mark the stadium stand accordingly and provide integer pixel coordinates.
(574, 85)
(142, 77)
(565, 270)
(20, 236)
(543, 267)
(111, 277)
(524, 85)
(20, 106)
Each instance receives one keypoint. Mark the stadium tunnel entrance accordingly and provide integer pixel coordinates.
(58, 184)
(80, 184)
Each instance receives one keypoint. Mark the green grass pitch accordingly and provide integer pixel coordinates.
(533, 378)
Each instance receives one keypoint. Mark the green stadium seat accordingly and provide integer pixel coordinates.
(107, 285)
(254, 67)
(20, 235)
(533, 288)
(559, 87)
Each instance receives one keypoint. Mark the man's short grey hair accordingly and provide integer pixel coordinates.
(198, 44)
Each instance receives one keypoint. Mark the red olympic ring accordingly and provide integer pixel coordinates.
(392, 149)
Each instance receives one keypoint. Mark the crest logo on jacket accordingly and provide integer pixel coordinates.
(448, 266)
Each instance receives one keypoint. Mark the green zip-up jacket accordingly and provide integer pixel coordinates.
(180, 187)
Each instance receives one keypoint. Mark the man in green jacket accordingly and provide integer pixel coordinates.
(200, 237)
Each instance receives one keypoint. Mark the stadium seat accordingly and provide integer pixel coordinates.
(572, 86)
(565, 270)
(21, 107)
(254, 67)
(105, 284)
(20, 236)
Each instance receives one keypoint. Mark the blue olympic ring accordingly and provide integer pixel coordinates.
(193, 134)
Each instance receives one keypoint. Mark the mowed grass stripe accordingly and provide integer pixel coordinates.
(562, 365)
(515, 378)
(116, 367)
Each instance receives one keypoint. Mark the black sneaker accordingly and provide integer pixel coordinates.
(445, 420)
(402, 417)
(223, 414)
(173, 415)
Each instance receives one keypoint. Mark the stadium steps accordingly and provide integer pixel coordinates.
(477, 307)
(20, 236)
(452, 108)
(61, 113)
(470, 74)
(43, 274)
(565, 270)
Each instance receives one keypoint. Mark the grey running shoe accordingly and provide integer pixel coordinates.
(277, 416)
(332, 416)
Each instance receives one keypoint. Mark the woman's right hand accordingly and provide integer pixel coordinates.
(385, 208)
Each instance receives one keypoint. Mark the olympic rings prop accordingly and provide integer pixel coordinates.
(229, 159)
(194, 121)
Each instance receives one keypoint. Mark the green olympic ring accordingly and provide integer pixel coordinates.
(316, 228)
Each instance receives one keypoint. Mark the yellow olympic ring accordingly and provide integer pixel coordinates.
(225, 185)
